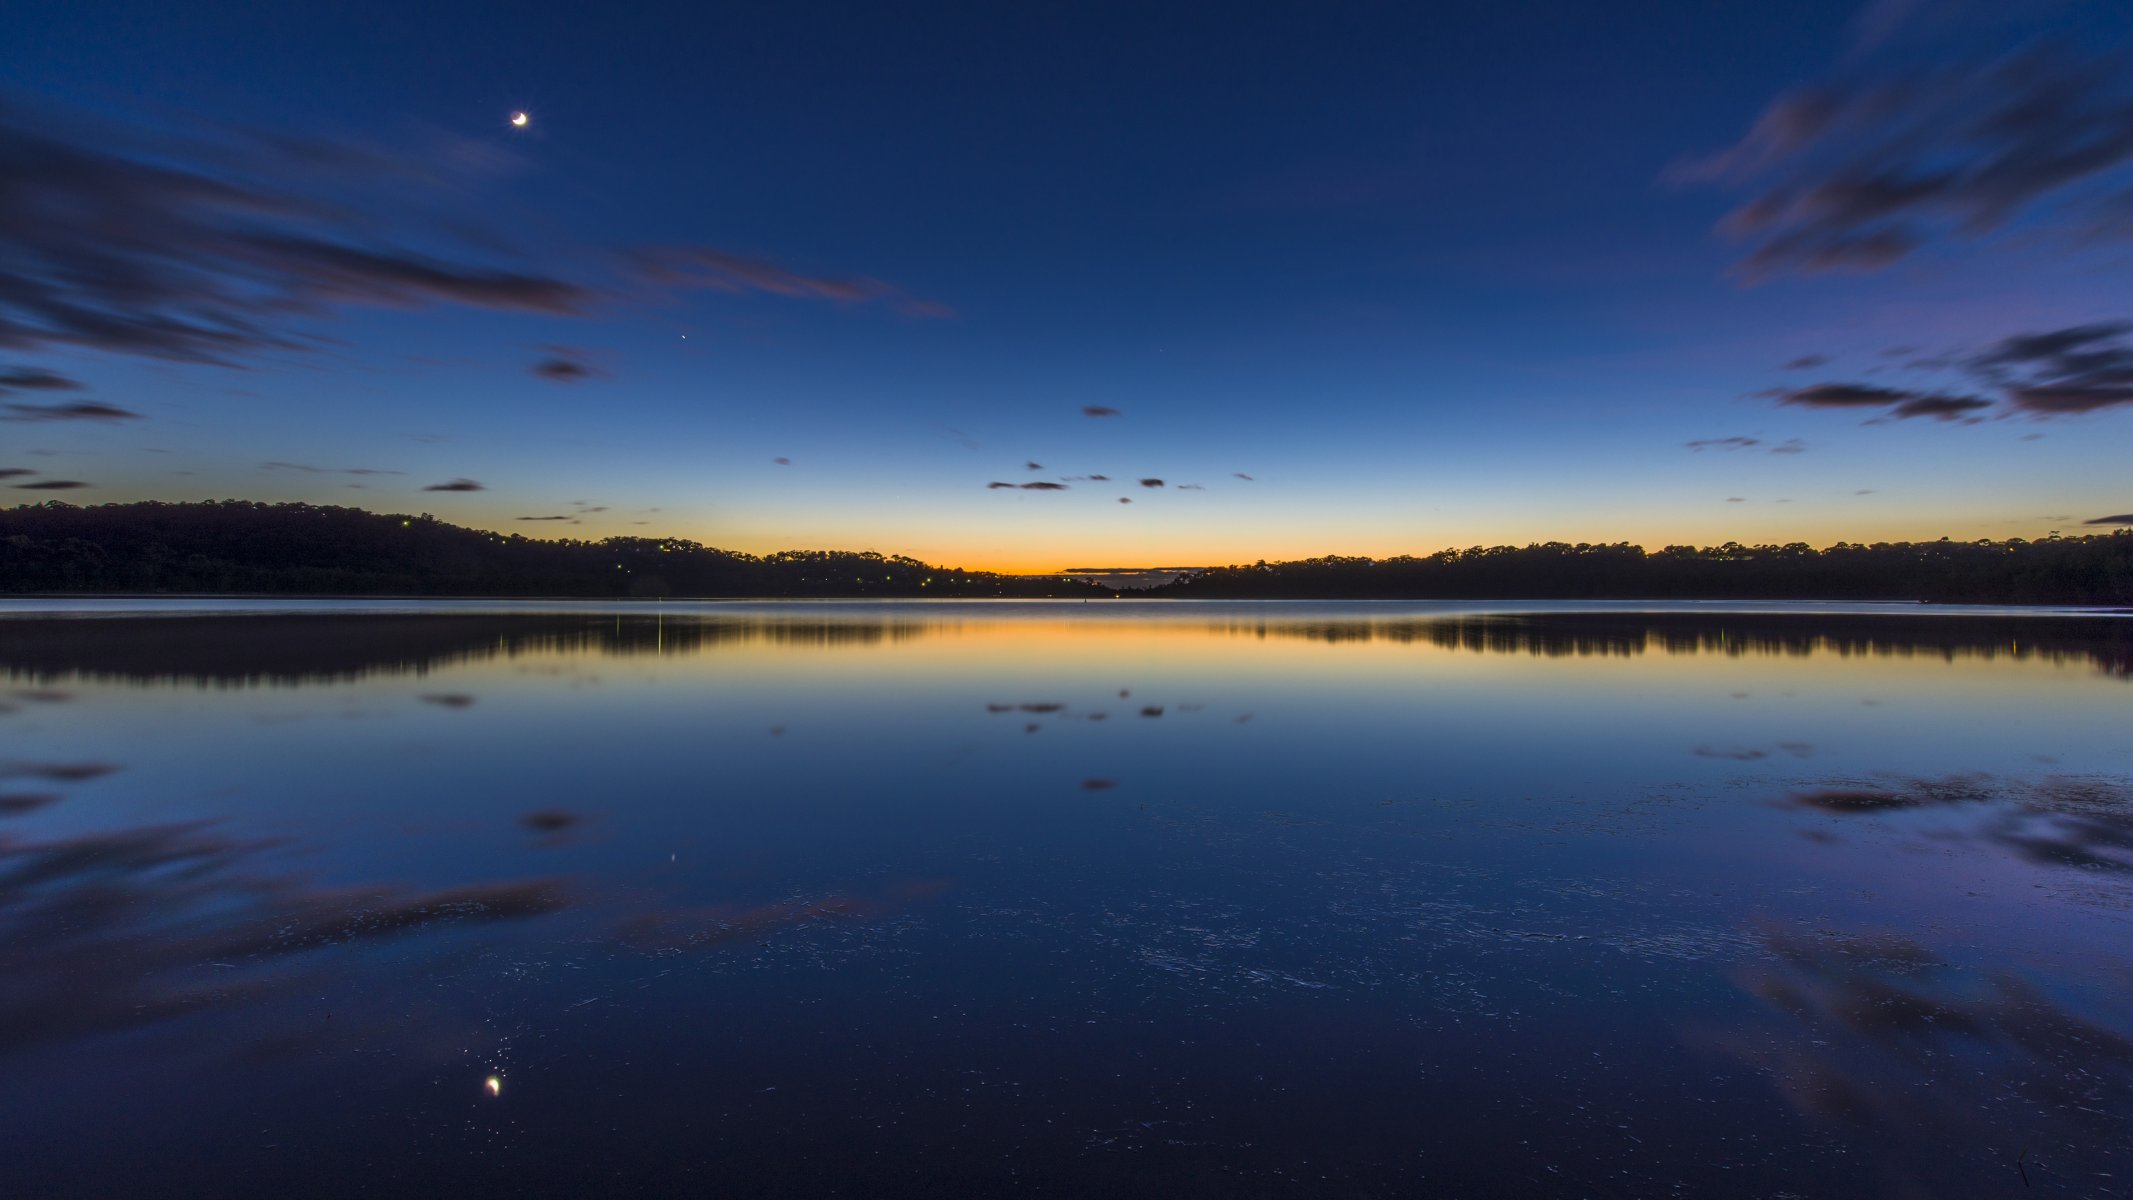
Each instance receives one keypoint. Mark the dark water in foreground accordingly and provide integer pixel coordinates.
(1136, 899)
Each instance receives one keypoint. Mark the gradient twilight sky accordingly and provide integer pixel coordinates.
(1429, 274)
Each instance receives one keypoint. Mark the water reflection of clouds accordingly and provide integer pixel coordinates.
(1912, 1054)
(2060, 821)
(128, 927)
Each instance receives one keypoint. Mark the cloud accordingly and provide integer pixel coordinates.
(1860, 172)
(1724, 443)
(2114, 519)
(2057, 372)
(1790, 446)
(35, 379)
(1098, 410)
(1125, 499)
(1242, 475)
(456, 485)
(1100, 478)
(1807, 362)
(1944, 408)
(545, 519)
(207, 248)
(15, 472)
(562, 370)
(2078, 369)
(311, 470)
(708, 268)
(1151, 483)
(1034, 465)
(782, 461)
(82, 410)
(214, 246)
(1844, 395)
(1192, 487)
(1899, 403)
(53, 485)
(1039, 486)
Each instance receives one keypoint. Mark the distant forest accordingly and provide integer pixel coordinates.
(243, 547)
(2096, 569)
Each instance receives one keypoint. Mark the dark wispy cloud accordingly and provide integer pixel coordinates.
(2078, 369)
(1724, 443)
(35, 379)
(15, 472)
(563, 370)
(565, 518)
(217, 246)
(1039, 486)
(2056, 372)
(708, 268)
(1844, 395)
(1790, 446)
(2113, 519)
(1242, 475)
(1125, 499)
(1151, 483)
(85, 410)
(1098, 410)
(456, 485)
(1944, 408)
(1861, 170)
(1807, 362)
(1897, 403)
(53, 485)
(308, 469)
(205, 251)
(1192, 487)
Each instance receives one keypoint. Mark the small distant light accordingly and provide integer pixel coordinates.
(495, 1084)
(520, 120)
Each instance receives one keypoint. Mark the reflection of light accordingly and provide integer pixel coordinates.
(495, 1085)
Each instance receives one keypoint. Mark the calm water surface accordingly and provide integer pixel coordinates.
(1067, 899)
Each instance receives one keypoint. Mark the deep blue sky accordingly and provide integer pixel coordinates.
(1430, 274)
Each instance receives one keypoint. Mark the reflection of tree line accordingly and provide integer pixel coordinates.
(321, 649)
(289, 649)
(2108, 643)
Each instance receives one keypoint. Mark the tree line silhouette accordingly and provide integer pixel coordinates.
(237, 546)
(245, 547)
(2095, 569)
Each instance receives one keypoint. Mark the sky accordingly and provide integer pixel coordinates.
(1238, 281)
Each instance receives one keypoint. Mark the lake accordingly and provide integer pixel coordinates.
(1112, 898)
